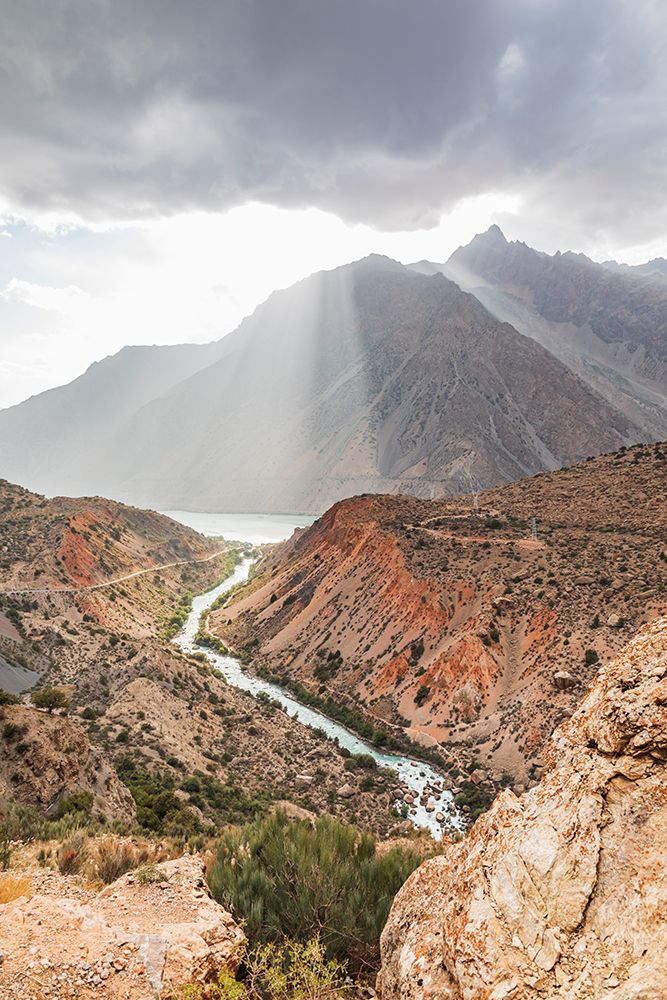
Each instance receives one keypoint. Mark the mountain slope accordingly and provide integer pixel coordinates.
(453, 622)
(70, 616)
(366, 378)
(609, 327)
(49, 441)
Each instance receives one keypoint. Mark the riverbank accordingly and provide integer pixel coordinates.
(419, 792)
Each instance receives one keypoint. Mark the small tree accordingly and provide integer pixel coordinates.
(49, 698)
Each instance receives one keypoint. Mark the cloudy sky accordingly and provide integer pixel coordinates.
(165, 164)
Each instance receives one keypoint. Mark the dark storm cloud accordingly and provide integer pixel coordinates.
(384, 111)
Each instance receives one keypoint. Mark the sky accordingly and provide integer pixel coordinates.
(165, 165)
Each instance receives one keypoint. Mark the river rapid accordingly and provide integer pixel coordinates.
(423, 781)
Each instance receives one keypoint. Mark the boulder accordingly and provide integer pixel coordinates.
(563, 680)
(558, 894)
(346, 792)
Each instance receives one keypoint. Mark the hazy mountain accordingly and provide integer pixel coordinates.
(656, 267)
(610, 327)
(366, 378)
(50, 441)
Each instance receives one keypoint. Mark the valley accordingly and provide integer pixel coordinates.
(447, 622)
(91, 593)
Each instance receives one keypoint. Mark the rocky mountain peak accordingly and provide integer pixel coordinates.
(493, 234)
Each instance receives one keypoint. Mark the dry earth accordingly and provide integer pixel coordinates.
(131, 941)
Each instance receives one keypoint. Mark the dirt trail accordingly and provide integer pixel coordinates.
(109, 583)
(522, 543)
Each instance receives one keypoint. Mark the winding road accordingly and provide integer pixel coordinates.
(110, 583)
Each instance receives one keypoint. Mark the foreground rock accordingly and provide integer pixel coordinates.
(559, 893)
(46, 758)
(131, 941)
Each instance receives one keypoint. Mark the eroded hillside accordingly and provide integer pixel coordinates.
(449, 621)
(90, 593)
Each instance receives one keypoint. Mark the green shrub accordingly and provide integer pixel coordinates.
(590, 657)
(288, 880)
(422, 694)
(289, 971)
(78, 802)
(49, 698)
(292, 971)
(11, 731)
(159, 810)
(5, 847)
(6, 698)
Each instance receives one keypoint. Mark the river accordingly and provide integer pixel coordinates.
(419, 777)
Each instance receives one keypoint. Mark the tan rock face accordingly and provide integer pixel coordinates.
(131, 941)
(561, 892)
(45, 758)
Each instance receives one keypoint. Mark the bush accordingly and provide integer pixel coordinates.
(78, 802)
(288, 880)
(73, 853)
(290, 971)
(49, 698)
(11, 731)
(5, 847)
(293, 970)
(113, 858)
(6, 698)
(590, 657)
(422, 694)
(161, 811)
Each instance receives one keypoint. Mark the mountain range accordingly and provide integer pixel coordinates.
(429, 379)
(605, 322)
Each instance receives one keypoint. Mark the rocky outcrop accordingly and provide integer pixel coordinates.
(561, 892)
(46, 758)
(134, 940)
